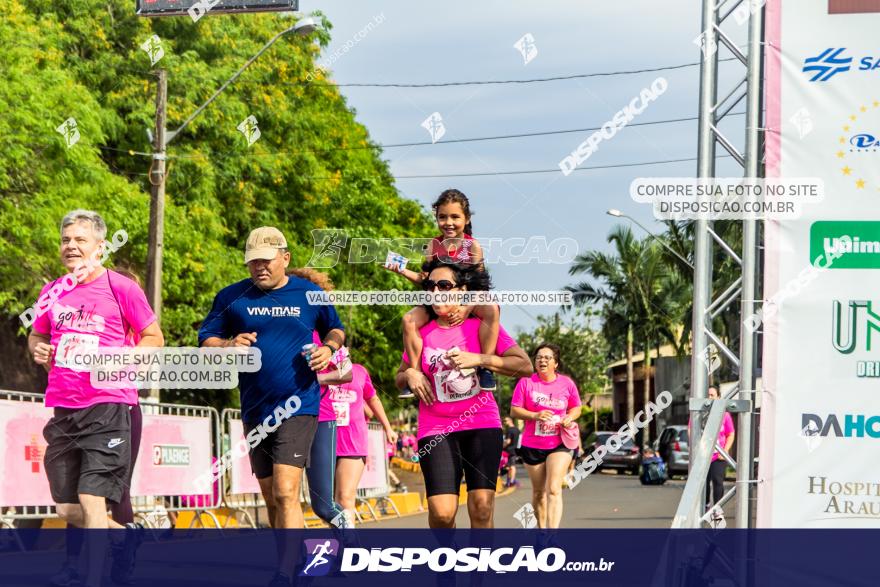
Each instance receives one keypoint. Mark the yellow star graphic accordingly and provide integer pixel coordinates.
(840, 154)
(846, 170)
(860, 183)
(863, 109)
(846, 128)
(842, 140)
(853, 117)
(876, 103)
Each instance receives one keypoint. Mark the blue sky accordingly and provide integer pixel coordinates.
(463, 41)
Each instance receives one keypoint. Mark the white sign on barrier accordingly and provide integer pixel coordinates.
(243, 479)
(23, 479)
(174, 451)
(375, 475)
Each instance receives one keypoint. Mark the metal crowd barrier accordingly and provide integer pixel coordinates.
(9, 515)
(240, 503)
(141, 505)
(175, 503)
(380, 494)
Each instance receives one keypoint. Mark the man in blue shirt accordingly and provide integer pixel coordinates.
(270, 311)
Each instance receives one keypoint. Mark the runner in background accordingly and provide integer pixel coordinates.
(511, 439)
(321, 470)
(453, 214)
(715, 478)
(89, 452)
(271, 312)
(459, 427)
(549, 402)
(346, 403)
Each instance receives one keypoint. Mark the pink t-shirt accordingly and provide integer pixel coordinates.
(345, 404)
(87, 317)
(465, 254)
(341, 356)
(723, 434)
(445, 415)
(558, 396)
(726, 430)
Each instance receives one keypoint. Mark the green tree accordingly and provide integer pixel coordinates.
(640, 295)
(313, 167)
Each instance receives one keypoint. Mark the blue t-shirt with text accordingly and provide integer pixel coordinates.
(283, 321)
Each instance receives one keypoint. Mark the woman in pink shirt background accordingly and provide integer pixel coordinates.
(548, 402)
(345, 404)
(459, 427)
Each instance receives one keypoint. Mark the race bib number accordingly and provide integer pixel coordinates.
(550, 428)
(73, 343)
(456, 390)
(343, 413)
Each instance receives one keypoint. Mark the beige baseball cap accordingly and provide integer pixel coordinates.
(263, 243)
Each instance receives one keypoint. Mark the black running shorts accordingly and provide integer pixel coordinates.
(475, 454)
(538, 456)
(89, 451)
(290, 444)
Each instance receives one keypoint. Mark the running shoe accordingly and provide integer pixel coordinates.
(124, 554)
(718, 520)
(66, 577)
(406, 394)
(487, 380)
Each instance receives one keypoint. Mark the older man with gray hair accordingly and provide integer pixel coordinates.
(89, 442)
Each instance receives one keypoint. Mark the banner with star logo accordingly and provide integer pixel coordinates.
(820, 411)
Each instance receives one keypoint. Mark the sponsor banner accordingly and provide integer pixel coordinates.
(375, 475)
(22, 449)
(820, 419)
(242, 478)
(857, 243)
(174, 451)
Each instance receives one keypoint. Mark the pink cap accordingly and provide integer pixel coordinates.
(570, 436)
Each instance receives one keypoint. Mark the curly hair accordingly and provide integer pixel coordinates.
(474, 277)
(322, 280)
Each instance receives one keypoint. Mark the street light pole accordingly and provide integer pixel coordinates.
(157, 198)
(157, 166)
(619, 214)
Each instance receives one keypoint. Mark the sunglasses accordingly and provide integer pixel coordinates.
(442, 285)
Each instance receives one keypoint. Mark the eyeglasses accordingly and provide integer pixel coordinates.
(442, 285)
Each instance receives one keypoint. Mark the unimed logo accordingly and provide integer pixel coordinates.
(856, 243)
(854, 425)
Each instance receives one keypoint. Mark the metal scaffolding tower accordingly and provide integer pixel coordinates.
(717, 17)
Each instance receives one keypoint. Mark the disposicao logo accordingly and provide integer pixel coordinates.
(322, 553)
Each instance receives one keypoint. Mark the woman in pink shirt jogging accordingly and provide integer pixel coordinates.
(345, 403)
(459, 427)
(549, 403)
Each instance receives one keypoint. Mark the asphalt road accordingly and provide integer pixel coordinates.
(603, 500)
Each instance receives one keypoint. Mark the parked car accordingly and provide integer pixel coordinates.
(672, 446)
(627, 457)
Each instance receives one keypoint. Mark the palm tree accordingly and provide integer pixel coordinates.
(640, 294)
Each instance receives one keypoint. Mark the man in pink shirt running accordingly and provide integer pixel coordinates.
(88, 452)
